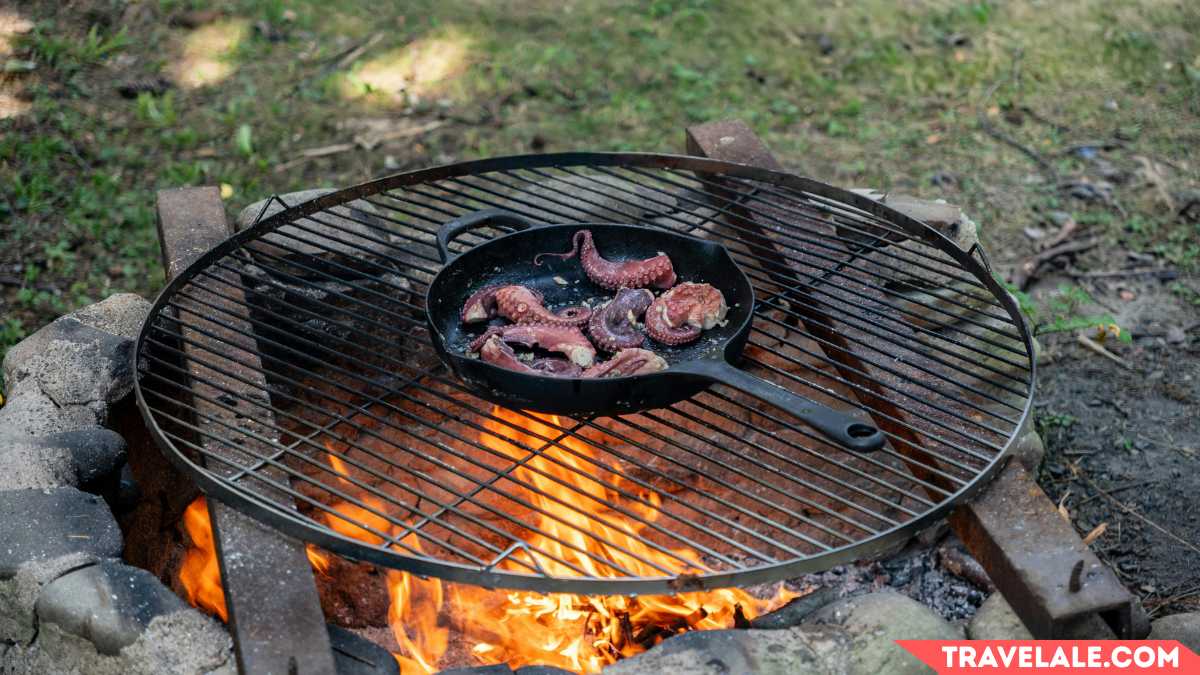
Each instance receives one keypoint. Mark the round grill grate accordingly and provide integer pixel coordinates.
(290, 373)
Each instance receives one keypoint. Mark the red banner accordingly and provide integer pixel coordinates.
(1054, 656)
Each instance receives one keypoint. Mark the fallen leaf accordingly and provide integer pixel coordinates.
(932, 138)
(226, 190)
(1095, 534)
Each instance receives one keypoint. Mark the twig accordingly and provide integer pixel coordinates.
(1064, 233)
(355, 52)
(365, 141)
(1026, 272)
(1155, 179)
(340, 60)
(991, 130)
(1130, 510)
(1112, 144)
(1099, 349)
(1159, 603)
(1118, 489)
(1038, 117)
(1169, 273)
(21, 283)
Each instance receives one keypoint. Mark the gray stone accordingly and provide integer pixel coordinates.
(343, 234)
(40, 525)
(996, 620)
(121, 314)
(1182, 627)
(796, 610)
(28, 462)
(73, 364)
(792, 651)
(110, 604)
(19, 593)
(184, 643)
(1029, 450)
(76, 458)
(875, 621)
(98, 453)
(28, 411)
(356, 655)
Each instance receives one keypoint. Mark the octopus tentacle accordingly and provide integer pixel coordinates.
(566, 340)
(656, 272)
(481, 306)
(524, 306)
(556, 367)
(612, 325)
(628, 362)
(679, 316)
(497, 352)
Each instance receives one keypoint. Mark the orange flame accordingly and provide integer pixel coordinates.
(576, 632)
(318, 559)
(199, 574)
(414, 601)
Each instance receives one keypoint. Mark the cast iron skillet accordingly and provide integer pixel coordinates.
(692, 367)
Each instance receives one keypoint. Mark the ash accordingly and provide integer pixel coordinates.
(915, 571)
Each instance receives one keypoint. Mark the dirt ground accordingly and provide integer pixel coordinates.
(1123, 445)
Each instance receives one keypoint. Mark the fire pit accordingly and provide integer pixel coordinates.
(288, 372)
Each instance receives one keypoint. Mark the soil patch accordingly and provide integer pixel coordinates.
(1123, 448)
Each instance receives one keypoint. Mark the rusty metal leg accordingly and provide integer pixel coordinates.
(1052, 581)
(274, 612)
(733, 141)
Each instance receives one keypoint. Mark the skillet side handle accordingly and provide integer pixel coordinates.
(469, 221)
(838, 427)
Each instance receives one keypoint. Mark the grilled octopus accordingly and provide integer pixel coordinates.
(612, 326)
(678, 316)
(628, 362)
(496, 351)
(495, 347)
(520, 305)
(656, 272)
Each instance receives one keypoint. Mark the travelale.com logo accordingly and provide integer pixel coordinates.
(1054, 656)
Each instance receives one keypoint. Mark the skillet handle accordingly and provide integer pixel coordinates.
(477, 219)
(837, 426)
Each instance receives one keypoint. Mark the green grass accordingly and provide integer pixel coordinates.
(873, 93)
